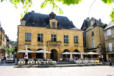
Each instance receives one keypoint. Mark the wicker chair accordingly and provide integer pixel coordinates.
(31, 62)
(21, 62)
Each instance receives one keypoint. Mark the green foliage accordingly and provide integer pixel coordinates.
(69, 2)
(9, 50)
(56, 7)
(108, 1)
(112, 15)
(1, 0)
(27, 4)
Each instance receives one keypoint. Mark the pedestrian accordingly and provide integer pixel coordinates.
(103, 61)
(110, 62)
(2, 59)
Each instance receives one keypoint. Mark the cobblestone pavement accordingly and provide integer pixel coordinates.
(13, 70)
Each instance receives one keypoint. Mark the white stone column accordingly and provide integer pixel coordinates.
(44, 53)
(81, 55)
(26, 52)
(71, 57)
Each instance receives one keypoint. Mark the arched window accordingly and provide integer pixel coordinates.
(76, 50)
(29, 49)
(39, 49)
(66, 50)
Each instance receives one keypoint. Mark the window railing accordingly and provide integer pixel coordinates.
(66, 43)
(109, 37)
(110, 49)
(40, 43)
(75, 44)
(54, 43)
(27, 42)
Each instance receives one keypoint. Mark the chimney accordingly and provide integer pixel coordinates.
(23, 22)
(33, 11)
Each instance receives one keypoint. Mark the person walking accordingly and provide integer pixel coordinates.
(110, 62)
(2, 59)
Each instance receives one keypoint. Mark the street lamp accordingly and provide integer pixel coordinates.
(44, 53)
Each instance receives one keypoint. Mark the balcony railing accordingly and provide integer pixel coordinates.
(66, 44)
(27, 42)
(109, 37)
(40, 44)
(76, 44)
(54, 44)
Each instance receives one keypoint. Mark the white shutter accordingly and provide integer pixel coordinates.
(110, 46)
(93, 44)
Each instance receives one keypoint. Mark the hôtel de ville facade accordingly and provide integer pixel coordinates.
(56, 33)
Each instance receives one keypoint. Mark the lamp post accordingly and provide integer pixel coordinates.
(71, 56)
(44, 53)
(81, 55)
(26, 54)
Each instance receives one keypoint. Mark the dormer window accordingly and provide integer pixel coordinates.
(53, 23)
(23, 22)
(92, 22)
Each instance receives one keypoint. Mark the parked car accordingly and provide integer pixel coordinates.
(10, 59)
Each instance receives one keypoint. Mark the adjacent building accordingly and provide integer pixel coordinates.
(93, 35)
(56, 34)
(4, 42)
(109, 41)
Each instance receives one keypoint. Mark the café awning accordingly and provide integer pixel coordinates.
(92, 53)
(23, 51)
(42, 51)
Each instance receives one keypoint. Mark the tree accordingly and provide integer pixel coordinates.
(27, 4)
(110, 2)
(9, 50)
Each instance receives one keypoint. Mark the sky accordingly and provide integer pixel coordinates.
(10, 16)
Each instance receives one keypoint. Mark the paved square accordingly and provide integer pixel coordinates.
(58, 71)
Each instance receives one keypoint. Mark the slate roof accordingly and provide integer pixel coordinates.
(42, 20)
(87, 23)
(111, 24)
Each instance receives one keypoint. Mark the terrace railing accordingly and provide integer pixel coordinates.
(109, 37)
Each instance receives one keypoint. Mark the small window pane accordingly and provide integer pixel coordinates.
(53, 37)
(108, 32)
(27, 36)
(40, 38)
(65, 38)
(75, 39)
(110, 46)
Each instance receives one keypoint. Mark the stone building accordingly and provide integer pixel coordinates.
(4, 42)
(57, 33)
(109, 40)
(93, 35)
